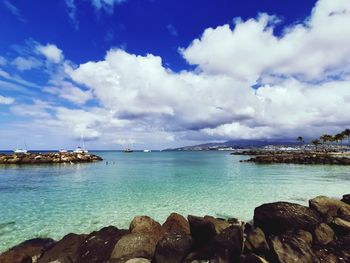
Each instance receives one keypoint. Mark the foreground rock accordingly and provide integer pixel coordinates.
(282, 233)
(48, 158)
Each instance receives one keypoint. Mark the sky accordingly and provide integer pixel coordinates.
(154, 74)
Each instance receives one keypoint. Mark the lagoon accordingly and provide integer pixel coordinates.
(53, 200)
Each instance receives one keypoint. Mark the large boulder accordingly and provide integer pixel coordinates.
(276, 218)
(255, 241)
(64, 251)
(327, 207)
(344, 213)
(228, 245)
(173, 248)
(135, 245)
(289, 249)
(176, 223)
(27, 252)
(346, 199)
(324, 234)
(99, 245)
(145, 224)
(341, 226)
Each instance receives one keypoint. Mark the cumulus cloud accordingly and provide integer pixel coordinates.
(249, 84)
(26, 63)
(6, 100)
(51, 52)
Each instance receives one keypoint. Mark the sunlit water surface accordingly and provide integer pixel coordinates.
(53, 200)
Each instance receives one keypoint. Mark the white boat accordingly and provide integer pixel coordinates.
(63, 151)
(146, 151)
(80, 150)
(20, 151)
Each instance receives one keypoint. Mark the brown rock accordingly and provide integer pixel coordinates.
(275, 218)
(176, 223)
(27, 251)
(304, 235)
(341, 226)
(253, 259)
(324, 234)
(145, 224)
(202, 231)
(327, 207)
(219, 224)
(256, 241)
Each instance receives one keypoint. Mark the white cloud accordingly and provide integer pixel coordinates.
(6, 100)
(26, 63)
(72, 12)
(106, 5)
(51, 52)
(3, 61)
(13, 9)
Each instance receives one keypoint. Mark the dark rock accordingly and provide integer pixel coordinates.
(27, 251)
(289, 249)
(173, 248)
(99, 245)
(64, 251)
(252, 259)
(275, 218)
(325, 256)
(176, 223)
(346, 199)
(344, 213)
(219, 224)
(341, 226)
(256, 241)
(135, 245)
(202, 231)
(327, 207)
(304, 235)
(324, 234)
(228, 245)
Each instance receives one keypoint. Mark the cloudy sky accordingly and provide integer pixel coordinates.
(157, 74)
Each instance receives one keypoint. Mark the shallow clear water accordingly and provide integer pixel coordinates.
(51, 201)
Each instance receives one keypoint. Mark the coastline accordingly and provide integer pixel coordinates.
(281, 232)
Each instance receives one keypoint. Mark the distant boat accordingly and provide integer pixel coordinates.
(80, 149)
(146, 151)
(63, 151)
(128, 150)
(20, 151)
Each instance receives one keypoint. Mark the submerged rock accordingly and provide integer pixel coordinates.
(276, 218)
(27, 252)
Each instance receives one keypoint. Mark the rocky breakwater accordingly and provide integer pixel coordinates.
(47, 158)
(281, 233)
(301, 158)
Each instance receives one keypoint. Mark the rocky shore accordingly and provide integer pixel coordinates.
(281, 232)
(48, 158)
(306, 157)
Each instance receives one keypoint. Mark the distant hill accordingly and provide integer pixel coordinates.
(236, 144)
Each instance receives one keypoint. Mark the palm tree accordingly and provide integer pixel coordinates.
(346, 133)
(316, 143)
(326, 138)
(301, 140)
(339, 138)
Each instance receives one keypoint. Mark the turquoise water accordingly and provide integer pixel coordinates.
(51, 201)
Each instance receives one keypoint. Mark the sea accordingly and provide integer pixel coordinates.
(54, 200)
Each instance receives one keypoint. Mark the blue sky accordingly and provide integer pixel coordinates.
(156, 74)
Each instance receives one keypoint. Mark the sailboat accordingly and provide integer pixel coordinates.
(20, 150)
(80, 149)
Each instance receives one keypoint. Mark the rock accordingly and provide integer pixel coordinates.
(253, 259)
(173, 248)
(138, 260)
(324, 234)
(219, 224)
(325, 256)
(275, 218)
(305, 236)
(99, 245)
(135, 245)
(344, 213)
(176, 223)
(341, 226)
(145, 224)
(64, 251)
(202, 231)
(27, 251)
(228, 245)
(289, 249)
(346, 199)
(256, 241)
(327, 207)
